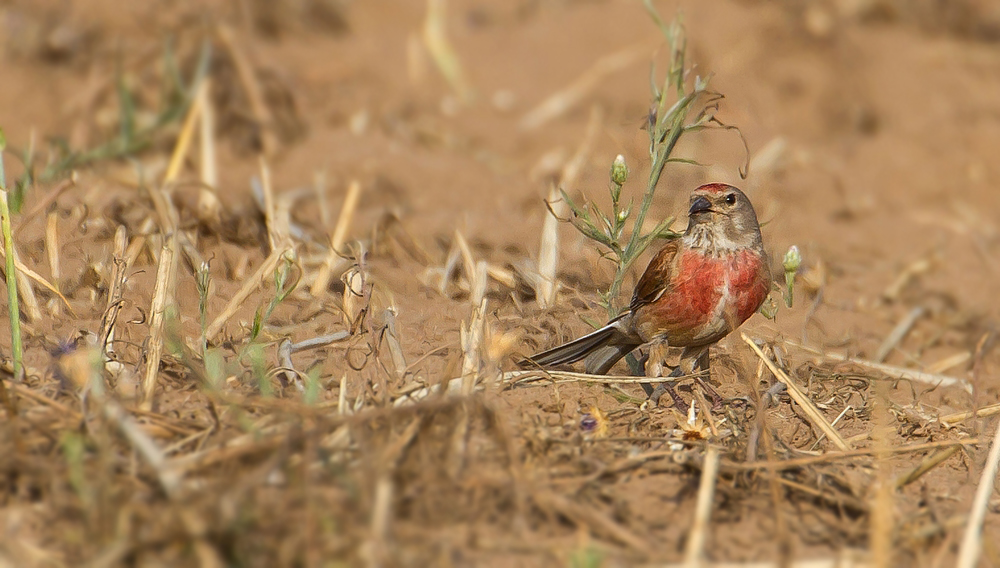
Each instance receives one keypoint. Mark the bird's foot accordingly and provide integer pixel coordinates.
(662, 388)
(716, 399)
(667, 387)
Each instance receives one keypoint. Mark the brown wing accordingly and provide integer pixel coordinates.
(655, 280)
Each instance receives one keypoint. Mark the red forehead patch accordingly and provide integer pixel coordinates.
(713, 187)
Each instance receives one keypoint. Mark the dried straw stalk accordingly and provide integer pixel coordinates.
(891, 370)
(548, 254)
(165, 272)
(694, 552)
(252, 88)
(333, 258)
(249, 286)
(118, 273)
(209, 207)
(800, 398)
(442, 52)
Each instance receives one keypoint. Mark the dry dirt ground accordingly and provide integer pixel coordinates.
(872, 128)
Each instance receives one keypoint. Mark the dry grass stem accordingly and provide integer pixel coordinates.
(162, 297)
(948, 420)
(119, 271)
(251, 86)
(168, 477)
(209, 207)
(50, 198)
(471, 339)
(249, 286)
(25, 392)
(320, 187)
(800, 398)
(184, 138)
(972, 540)
(949, 363)
(562, 101)
(468, 261)
(354, 298)
(912, 270)
(342, 408)
(479, 283)
(378, 545)
(333, 259)
(29, 301)
(442, 52)
(897, 373)
(881, 520)
(694, 551)
(930, 462)
(393, 343)
(274, 235)
(24, 271)
(548, 252)
(536, 377)
(321, 341)
(898, 333)
(52, 246)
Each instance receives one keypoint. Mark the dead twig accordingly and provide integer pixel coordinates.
(949, 420)
(898, 333)
(249, 286)
(334, 257)
(251, 86)
(162, 294)
(118, 273)
(800, 398)
(897, 373)
(50, 198)
(929, 463)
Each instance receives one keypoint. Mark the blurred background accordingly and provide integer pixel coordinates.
(870, 127)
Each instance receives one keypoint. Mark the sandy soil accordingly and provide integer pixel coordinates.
(872, 128)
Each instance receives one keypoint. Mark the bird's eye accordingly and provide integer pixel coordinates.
(731, 199)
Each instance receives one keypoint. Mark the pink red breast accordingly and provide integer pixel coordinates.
(689, 311)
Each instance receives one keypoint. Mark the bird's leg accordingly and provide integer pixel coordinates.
(644, 364)
(702, 364)
(668, 388)
(654, 368)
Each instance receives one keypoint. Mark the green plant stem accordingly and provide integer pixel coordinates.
(662, 151)
(12, 302)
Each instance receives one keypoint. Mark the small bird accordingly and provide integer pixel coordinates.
(696, 290)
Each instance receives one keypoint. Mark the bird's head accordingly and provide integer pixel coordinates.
(724, 215)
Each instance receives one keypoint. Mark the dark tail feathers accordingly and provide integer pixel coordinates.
(601, 349)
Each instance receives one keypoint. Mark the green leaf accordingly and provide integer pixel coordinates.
(687, 161)
(258, 324)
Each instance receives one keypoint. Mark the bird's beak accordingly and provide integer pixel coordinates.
(700, 205)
